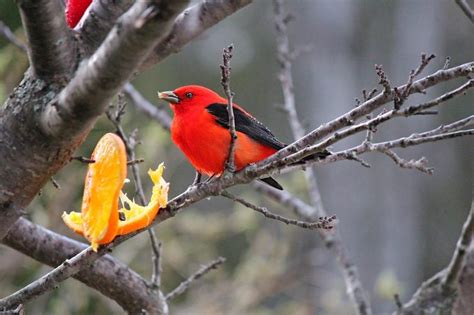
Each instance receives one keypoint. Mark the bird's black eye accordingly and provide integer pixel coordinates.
(189, 95)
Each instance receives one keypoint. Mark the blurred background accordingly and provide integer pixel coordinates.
(400, 226)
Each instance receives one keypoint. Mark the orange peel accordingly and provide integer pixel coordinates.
(98, 220)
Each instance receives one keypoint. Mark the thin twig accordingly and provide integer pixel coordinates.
(130, 143)
(420, 164)
(136, 161)
(55, 183)
(225, 82)
(82, 159)
(142, 104)
(6, 33)
(157, 248)
(332, 241)
(466, 8)
(323, 223)
(183, 286)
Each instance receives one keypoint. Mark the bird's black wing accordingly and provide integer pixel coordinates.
(245, 124)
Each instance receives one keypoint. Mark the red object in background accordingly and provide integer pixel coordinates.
(75, 10)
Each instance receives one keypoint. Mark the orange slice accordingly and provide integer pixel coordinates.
(138, 217)
(104, 179)
(99, 219)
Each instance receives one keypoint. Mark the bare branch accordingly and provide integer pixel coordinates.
(438, 292)
(51, 45)
(82, 159)
(135, 161)
(367, 107)
(129, 290)
(455, 265)
(285, 77)
(142, 104)
(183, 286)
(102, 76)
(98, 20)
(284, 198)
(420, 164)
(6, 33)
(49, 281)
(383, 117)
(157, 249)
(130, 144)
(192, 23)
(225, 82)
(466, 8)
(334, 242)
(323, 223)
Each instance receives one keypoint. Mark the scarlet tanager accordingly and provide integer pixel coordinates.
(200, 128)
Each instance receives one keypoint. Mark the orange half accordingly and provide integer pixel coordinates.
(136, 216)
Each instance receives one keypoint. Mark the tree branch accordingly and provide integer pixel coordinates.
(6, 33)
(183, 286)
(192, 23)
(225, 82)
(466, 8)
(332, 241)
(383, 117)
(102, 76)
(130, 143)
(99, 19)
(369, 106)
(51, 45)
(143, 105)
(107, 275)
(323, 223)
(439, 292)
(285, 56)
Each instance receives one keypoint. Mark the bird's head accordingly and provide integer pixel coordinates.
(190, 96)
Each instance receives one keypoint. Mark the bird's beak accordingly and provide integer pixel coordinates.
(169, 96)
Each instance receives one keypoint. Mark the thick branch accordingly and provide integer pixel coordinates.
(101, 17)
(103, 75)
(51, 50)
(107, 275)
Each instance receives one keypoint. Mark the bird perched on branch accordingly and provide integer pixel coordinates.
(200, 129)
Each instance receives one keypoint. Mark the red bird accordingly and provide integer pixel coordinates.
(200, 130)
